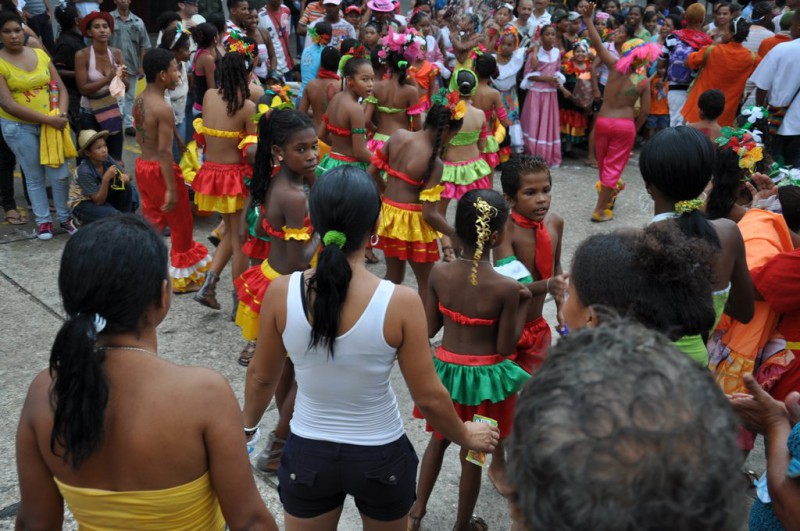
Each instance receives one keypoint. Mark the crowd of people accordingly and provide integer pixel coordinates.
(678, 340)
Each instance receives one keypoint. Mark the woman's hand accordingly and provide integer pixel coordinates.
(481, 436)
(758, 410)
(58, 121)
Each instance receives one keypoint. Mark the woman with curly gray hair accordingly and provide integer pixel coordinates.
(620, 431)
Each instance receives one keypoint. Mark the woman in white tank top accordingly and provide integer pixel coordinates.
(343, 328)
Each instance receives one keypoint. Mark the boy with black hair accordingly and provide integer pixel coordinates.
(531, 254)
(711, 104)
(165, 199)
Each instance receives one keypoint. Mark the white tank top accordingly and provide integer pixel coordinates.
(349, 398)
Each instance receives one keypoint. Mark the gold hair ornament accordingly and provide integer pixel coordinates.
(485, 213)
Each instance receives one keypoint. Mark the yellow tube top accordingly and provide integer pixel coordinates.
(191, 506)
(219, 133)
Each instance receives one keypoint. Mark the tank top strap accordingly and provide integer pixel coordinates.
(296, 320)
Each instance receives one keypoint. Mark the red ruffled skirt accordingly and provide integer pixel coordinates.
(221, 187)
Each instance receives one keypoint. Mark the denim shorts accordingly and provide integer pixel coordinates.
(658, 121)
(316, 476)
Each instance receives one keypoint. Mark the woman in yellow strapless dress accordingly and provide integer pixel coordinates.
(127, 439)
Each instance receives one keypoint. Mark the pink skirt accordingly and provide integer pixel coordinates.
(541, 126)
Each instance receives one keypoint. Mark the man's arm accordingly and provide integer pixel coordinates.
(164, 121)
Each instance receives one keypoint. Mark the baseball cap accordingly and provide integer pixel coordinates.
(334, 2)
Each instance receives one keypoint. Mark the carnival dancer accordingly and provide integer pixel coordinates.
(531, 254)
(483, 313)
(164, 194)
(288, 143)
(615, 127)
(393, 103)
(540, 118)
(464, 167)
(320, 91)
(344, 126)
(219, 185)
(410, 223)
(489, 100)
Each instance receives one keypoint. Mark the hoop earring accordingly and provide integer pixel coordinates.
(373, 240)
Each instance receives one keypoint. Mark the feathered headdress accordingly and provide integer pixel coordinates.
(234, 42)
(359, 52)
(637, 56)
(316, 38)
(452, 102)
(408, 43)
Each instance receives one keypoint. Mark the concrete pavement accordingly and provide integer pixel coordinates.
(31, 314)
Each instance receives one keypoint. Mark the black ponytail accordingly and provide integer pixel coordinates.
(114, 268)
(679, 161)
(438, 117)
(343, 200)
(274, 129)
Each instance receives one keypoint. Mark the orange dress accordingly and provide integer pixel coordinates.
(727, 68)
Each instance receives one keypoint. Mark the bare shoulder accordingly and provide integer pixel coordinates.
(404, 298)
(38, 397)
(727, 231)
(555, 221)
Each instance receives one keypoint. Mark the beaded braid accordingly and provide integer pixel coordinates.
(483, 231)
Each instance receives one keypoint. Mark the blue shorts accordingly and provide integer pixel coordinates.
(658, 121)
(316, 476)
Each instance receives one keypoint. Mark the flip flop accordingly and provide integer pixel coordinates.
(19, 219)
(370, 258)
(478, 524)
(247, 354)
(607, 216)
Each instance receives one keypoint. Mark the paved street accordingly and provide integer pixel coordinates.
(194, 335)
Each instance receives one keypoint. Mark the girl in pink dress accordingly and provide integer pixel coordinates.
(539, 117)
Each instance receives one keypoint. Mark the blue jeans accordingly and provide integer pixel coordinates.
(23, 139)
(127, 106)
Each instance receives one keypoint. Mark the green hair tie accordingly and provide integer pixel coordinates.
(687, 207)
(334, 237)
(454, 81)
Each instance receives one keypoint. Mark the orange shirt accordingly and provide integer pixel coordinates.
(727, 68)
(658, 98)
(772, 42)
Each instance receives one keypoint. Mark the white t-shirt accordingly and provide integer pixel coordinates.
(507, 77)
(340, 31)
(538, 22)
(347, 398)
(779, 73)
(755, 37)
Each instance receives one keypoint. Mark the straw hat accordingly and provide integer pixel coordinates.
(87, 137)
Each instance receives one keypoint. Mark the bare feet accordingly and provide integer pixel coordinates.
(448, 255)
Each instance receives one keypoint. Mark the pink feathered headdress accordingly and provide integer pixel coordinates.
(408, 43)
(637, 55)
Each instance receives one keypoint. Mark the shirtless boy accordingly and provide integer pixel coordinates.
(165, 199)
(617, 122)
(321, 90)
(531, 254)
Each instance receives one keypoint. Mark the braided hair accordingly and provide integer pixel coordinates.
(275, 128)
(234, 84)
(439, 118)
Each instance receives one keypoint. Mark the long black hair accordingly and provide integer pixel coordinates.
(274, 129)
(346, 200)
(113, 268)
(399, 64)
(438, 118)
(679, 161)
(234, 84)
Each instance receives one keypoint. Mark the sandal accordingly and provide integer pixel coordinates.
(370, 258)
(448, 254)
(247, 354)
(269, 459)
(606, 216)
(19, 219)
(478, 524)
